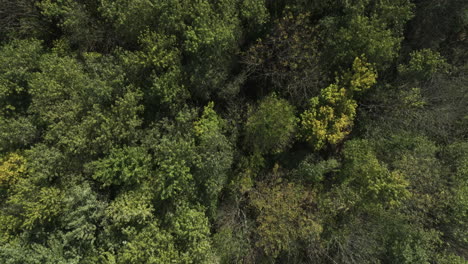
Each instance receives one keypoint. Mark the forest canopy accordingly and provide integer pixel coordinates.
(233, 131)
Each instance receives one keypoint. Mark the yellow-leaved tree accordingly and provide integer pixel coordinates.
(330, 116)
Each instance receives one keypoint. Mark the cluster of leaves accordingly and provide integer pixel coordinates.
(330, 117)
(233, 131)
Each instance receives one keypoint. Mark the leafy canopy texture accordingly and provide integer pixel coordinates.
(233, 131)
(270, 127)
(330, 116)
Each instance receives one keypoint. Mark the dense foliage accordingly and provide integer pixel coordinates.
(233, 131)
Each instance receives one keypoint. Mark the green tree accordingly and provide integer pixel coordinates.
(81, 114)
(216, 155)
(374, 183)
(374, 29)
(126, 166)
(271, 126)
(285, 217)
(150, 245)
(18, 61)
(423, 65)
